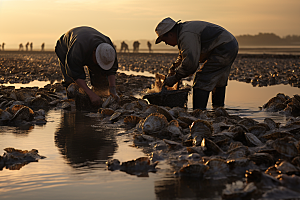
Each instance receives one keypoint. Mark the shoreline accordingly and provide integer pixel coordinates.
(240, 55)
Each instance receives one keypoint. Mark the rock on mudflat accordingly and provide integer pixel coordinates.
(15, 159)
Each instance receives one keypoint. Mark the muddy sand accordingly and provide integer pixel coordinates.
(198, 144)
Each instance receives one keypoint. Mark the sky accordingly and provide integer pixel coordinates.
(39, 21)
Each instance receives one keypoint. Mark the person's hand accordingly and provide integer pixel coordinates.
(113, 92)
(170, 81)
(95, 99)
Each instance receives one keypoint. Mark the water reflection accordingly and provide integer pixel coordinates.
(80, 144)
(190, 188)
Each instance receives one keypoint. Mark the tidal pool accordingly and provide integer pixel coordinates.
(77, 148)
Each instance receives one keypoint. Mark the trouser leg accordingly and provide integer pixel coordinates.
(200, 98)
(218, 96)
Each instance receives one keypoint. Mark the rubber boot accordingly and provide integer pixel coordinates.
(200, 98)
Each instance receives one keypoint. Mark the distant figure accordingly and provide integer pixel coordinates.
(149, 46)
(136, 46)
(124, 47)
(43, 46)
(26, 46)
(31, 46)
(0, 47)
(3, 46)
(20, 47)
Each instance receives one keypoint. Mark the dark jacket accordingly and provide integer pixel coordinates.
(75, 50)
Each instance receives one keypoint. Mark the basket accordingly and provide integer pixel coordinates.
(170, 98)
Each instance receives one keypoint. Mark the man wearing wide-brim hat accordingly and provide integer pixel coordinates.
(200, 42)
(85, 46)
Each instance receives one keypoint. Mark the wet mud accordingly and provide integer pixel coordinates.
(206, 145)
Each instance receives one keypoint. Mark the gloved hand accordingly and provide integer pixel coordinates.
(113, 92)
(170, 81)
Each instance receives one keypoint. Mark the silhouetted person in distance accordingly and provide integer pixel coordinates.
(136, 45)
(149, 46)
(31, 46)
(3, 46)
(43, 47)
(0, 47)
(26, 46)
(124, 47)
(20, 47)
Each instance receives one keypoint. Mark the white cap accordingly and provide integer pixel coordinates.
(105, 56)
(163, 27)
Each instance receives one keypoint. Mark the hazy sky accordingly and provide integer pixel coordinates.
(40, 21)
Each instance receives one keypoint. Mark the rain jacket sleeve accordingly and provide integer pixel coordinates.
(189, 50)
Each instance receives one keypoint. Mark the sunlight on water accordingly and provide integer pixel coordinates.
(76, 149)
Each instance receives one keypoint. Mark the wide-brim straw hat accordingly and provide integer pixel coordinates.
(105, 56)
(163, 27)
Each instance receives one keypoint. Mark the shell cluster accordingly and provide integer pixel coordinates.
(214, 144)
(26, 106)
(15, 159)
(203, 144)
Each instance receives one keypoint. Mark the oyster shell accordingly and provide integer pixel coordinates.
(24, 113)
(218, 168)
(110, 100)
(201, 128)
(262, 158)
(238, 152)
(285, 146)
(174, 128)
(276, 135)
(107, 111)
(154, 123)
(138, 165)
(5, 115)
(211, 147)
(257, 130)
(248, 122)
(39, 103)
(132, 120)
(220, 111)
(252, 140)
(286, 168)
(142, 139)
(271, 123)
(16, 158)
(195, 170)
(116, 116)
(73, 90)
(175, 111)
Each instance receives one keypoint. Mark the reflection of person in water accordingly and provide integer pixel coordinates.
(80, 143)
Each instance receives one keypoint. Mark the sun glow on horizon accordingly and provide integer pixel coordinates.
(45, 20)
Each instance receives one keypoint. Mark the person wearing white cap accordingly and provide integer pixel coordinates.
(85, 46)
(200, 42)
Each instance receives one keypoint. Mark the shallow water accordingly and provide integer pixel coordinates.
(77, 148)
